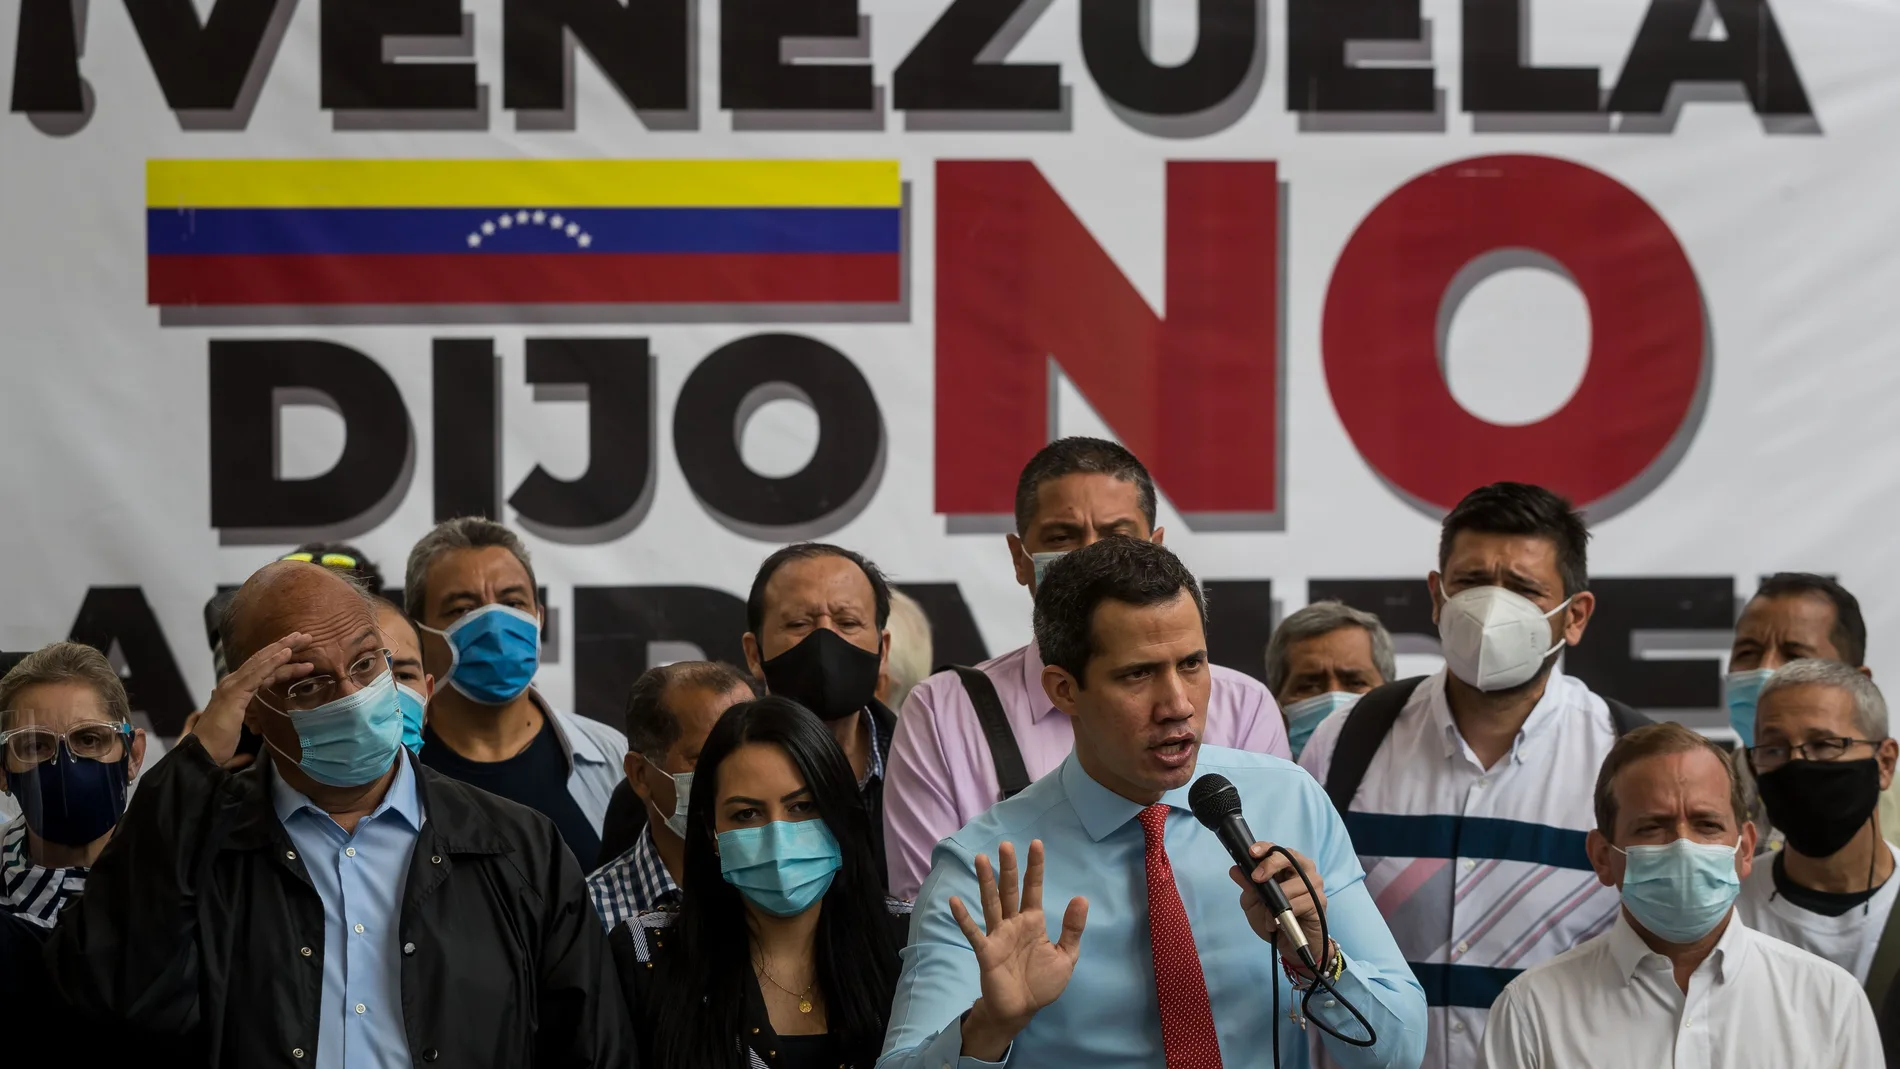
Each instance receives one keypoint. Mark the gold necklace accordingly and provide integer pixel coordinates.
(804, 998)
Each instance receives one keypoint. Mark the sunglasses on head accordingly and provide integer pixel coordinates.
(328, 560)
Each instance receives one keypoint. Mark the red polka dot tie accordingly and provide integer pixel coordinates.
(1187, 1018)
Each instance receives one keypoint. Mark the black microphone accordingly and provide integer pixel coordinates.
(1216, 804)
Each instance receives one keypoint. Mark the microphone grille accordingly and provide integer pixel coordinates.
(1213, 799)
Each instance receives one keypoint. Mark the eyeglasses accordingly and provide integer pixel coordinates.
(328, 560)
(34, 744)
(310, 692)
(1771, 757)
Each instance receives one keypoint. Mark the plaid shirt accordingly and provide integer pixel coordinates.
(636, 882)
(28, 891)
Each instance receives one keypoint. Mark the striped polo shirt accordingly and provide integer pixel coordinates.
(1481, 873)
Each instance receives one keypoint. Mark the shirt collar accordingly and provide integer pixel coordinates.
(1629, 952)
(655, 884)
(1039, 704)
(1101, 810)
(575, 745)
(1543, 714)
(402, 798)
(49, 894)
(874, 768)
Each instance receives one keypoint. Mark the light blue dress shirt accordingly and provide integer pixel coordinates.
(1108, 1017)
(360, 879)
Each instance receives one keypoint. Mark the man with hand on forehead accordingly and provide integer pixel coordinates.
(334, 903)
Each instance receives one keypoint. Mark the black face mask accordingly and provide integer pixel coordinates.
(826, 674)
(1821, 805)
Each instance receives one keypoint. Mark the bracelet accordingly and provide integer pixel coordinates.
(1303, 979)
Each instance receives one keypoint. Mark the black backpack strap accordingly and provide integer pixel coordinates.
(1625, 717)
(1367, 724)
(1011, 774)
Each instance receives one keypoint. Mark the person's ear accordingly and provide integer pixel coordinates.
(1019, 560)
(1745, 857)
(1603, 858)
(137, 754)
(1435, 583)
(1160, 533)
(753, 662)
(1061, 688)
(428, 692)
(632, 766)
(883, 651)
(1866, 670)
(1887, 753)
(1577, 615)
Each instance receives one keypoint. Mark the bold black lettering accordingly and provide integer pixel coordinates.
(942, 73)
(467, 405)
(1404, 606)
(752, 76)
(724, 389)
(1497, 79)
(203, 65)
(355, 77)
(250, 382)
(1752, 56)
(120, 616)
(1630, 611)
(1113, 45)
(954, 638)
(615, 375)
(1239, 622)
(621, 631)
(640, 45)
(46, 59)
(1318, 78)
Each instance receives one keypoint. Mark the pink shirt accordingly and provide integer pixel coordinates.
(939, 776)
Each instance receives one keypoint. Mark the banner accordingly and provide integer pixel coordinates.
(666, 283)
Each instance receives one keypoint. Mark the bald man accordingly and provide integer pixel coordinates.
(334, 903)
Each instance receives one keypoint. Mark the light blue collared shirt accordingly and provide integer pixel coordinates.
(1108, 1017)
(360, 879)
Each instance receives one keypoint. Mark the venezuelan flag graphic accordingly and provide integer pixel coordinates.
(514, 232)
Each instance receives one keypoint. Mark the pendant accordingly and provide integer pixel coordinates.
(804, 1005)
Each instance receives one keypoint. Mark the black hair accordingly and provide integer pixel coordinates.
(1523, 509)
(384, 601)
(1073, 456)
(1849, 633)
(367, 574)
(855, 954)
(1129, 570)
(755, 601)
(651, 727)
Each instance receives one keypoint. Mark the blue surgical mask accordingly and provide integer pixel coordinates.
(413, 703)
(682, 790)
(1741, 690)
(495, 651)
(352, 740)
(782, 867)
(1042, 561)
(1306, 714)
(1681, 891)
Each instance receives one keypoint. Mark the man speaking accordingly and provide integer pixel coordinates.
(1176, 965)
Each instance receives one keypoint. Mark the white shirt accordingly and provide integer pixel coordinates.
(1753, 1002)
(1848, 940)
(1480, 873)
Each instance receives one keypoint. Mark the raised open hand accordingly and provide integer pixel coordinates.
(1022, 971)
(217, 726)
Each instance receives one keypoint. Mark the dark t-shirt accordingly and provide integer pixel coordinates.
(1825, 903)
(822, 1051)
(536, 777)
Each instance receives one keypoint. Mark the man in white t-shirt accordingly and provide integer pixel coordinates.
(1821, 758)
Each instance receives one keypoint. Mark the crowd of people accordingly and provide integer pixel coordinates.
(379, 845)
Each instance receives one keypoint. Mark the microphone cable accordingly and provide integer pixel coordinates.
(1319, 975)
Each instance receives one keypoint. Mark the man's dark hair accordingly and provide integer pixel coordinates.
(1849, 633)
(1129, 570)
(755, 601)
(1523, 509)
(384, 601)
(651, 727)
(1073, 456)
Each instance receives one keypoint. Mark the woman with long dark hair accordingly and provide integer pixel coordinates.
(783, 951)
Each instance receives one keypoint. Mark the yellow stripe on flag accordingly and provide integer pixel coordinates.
(523, 183)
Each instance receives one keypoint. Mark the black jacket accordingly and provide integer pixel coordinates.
(627, 816)
(199, 922)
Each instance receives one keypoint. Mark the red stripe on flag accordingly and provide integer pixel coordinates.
(502, 278)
